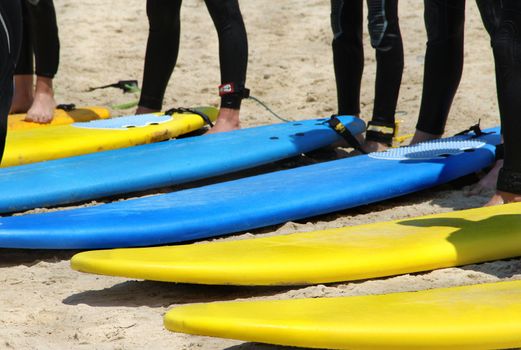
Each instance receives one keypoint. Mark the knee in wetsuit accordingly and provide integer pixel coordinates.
(224, 13)
(506, 45)
(490, 11)
(164, 15)
(336, 10)
(384, 41)
(346, 15)
(384, 29)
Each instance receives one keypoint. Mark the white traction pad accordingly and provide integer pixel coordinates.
(436, 149)
(132, 121)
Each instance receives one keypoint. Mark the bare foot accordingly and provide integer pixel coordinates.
(227, 120)
(145, 110)
(420, 136)
(488, 182)
(342, 143)
(42, 109)
(373, 146)
(503, 198)
(23, 94)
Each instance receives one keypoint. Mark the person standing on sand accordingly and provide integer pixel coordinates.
(506, 45)
(40, 39)
(163, 48)
(445, 23)
(444, 20)
(348, 59)
(10, 38)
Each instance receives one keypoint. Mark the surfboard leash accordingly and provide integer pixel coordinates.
(127, 86)
(344, 132)
(269, 109)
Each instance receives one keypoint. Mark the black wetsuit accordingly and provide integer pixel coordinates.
(163, 48)
(444, 63)
(40, 39)
(10, 39)
(506, 44)
(348, 57)
(445, 23)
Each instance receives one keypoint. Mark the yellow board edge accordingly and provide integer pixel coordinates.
(61, 117)
(61, 141)
(333, 255)
(486, 316)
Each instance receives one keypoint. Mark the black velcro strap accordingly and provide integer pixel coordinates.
(232, 95)
(67, 107)
(475, 129)
(380, 132)
(206, 119)
(233, 88)
(343, 131)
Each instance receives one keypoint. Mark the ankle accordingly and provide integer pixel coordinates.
(421, 136)
(229, 116)
(44, 86)
(145, 110)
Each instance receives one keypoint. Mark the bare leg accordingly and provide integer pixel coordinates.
(373, 146)
(227, 120)
(23, 94)
(42, 109)
(488, 182)
(420, 136)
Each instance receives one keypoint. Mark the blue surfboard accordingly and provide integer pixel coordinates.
(255, 201)
(155, 165)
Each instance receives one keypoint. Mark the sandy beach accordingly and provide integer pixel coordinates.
(46, 305)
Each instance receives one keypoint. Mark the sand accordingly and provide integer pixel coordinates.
(46, 305)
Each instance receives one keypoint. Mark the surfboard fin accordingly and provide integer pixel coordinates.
(476, 129)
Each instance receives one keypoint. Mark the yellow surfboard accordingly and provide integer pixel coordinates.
(349, 253)
(61, 117)
(486, 316)
(39, 144)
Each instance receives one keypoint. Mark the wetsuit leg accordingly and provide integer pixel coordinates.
(506, 43)
(162, 50)
(444, 20)
(233, 47)
(386, 38)
(25, 64)
(348, 53)
(44, 36)
(490, 11)
(10, 39)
